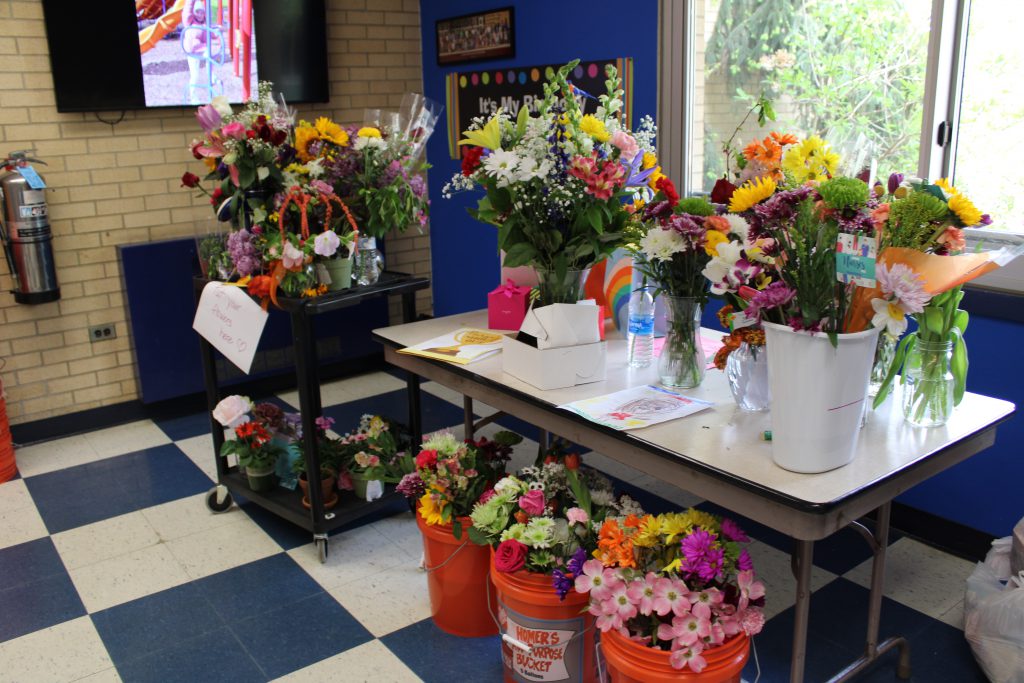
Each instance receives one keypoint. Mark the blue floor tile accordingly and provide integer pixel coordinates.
(89, 493)
(147, 625)
(299, 634)
(284, 533)
(774, 650)
(938, 653)
(258, 587)
(418, 645)
(185, 426)
(437, 413)
(36, 590)
(214, 656)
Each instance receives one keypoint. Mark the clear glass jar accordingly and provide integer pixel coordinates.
(747, 372)
(928, 383)
(682, 363)
(369, 263)
(885, 354)
(566, 288)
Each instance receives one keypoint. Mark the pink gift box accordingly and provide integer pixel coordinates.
(507, 306)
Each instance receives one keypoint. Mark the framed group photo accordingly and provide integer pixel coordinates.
(473, 37)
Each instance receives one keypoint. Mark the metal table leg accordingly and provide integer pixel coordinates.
(802, 561)
(467, 416)
(412, 380)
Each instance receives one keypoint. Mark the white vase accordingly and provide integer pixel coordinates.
(818, 393)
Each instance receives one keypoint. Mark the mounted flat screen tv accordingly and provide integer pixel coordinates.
(136, 54)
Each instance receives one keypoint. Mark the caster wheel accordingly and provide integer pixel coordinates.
(321, 548)
(218, 503)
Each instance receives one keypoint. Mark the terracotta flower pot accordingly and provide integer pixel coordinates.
(631, 662)
(327, 493)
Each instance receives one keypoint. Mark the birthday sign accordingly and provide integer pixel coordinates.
(231, 321)
(483, 93)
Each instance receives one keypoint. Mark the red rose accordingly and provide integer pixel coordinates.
(510, 556)
(722, 191)
(471, 160)
(426, 459)
(668, 188)
(190, 180)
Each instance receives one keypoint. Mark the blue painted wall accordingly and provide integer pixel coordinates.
(464, 252)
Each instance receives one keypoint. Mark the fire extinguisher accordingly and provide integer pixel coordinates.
(25, 231)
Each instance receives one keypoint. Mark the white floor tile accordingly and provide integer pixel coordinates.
(51, 456)
(920, 577)
(128, 577)
(104, 540)
(222, 547)
(106, 676)
(402, 531)
(371, 662)
(350, 389)
(199, 450)
(353, 555)
(773, 568)
(126, 438)
(19, 519)
(387, 601)
(59, 654)
(188, 516)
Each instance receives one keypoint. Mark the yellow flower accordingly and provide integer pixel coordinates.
(711, 241)
(331, 131)
(211, 163)
(964, 209)
(704, 520)
(488, 137)
(674, 525)
(649, 161)
(652, 180)
(750, 193)
(648, 535)
(947, 186)
(594, 127)
(297, 168)
(429, 510)
(304, 135)
(812, 159)
(672, 566)
(368, 132)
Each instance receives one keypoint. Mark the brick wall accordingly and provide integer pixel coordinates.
(119, 184)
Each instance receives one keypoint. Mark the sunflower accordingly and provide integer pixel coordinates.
(305, 135)
(594, 127)
(368, 132)
(429, 510)
(946, 186)
(331, 132)
(964, 209)
(750, 193)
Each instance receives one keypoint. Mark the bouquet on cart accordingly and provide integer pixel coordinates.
(263, 434)
(372, 455)
(680, 584)
(554, 182)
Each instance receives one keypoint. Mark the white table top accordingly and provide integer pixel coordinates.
(729, 439)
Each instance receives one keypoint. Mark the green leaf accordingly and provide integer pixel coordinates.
(933, 319)
(520, 254)
(579, 491)
(594, 217)
(457, 530)
(478, 537)
(911, 345)
(958, 366)
(961, 319)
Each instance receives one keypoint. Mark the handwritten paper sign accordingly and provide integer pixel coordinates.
(231, 321)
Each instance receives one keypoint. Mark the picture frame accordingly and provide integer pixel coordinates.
(476, 37)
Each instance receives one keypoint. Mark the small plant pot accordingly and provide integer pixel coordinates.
(327, 493)
(340, 272)
(261, 480)
(359, 483)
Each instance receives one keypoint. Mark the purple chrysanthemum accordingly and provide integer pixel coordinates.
(743, 562)
(773, 296)
(700, 557)
(732, 532)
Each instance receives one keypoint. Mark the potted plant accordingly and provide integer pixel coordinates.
(542, 523)
(330, 452)
(253, 445)
(450, 478)
(674, 595)
(375, 454)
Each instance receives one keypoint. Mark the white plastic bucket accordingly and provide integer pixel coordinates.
(818, 393)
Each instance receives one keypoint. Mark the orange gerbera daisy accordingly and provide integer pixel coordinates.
(784, 138)
(767, 152)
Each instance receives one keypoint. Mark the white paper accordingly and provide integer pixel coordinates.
(637, 407)
(560, 325)
(231, 321)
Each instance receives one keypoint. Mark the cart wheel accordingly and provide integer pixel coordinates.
(321, 548)
(218, 503)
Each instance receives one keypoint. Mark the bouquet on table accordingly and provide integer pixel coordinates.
(554, 183)
(680, 583)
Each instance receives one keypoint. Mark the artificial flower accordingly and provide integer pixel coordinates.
(751, 193)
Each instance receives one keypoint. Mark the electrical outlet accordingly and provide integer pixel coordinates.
(102, 332)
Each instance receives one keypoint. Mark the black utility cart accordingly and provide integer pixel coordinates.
(280, 501)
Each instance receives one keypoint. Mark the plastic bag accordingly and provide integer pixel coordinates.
(998, 558)
(994, 622)
(1017, 548)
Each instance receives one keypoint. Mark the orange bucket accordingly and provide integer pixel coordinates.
(461, 597)
(8, 468)
(630, 662)
(543, 638)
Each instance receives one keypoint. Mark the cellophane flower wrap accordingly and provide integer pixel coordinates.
(452, 475)
(545, 518)
(681, 582)
(555, 180)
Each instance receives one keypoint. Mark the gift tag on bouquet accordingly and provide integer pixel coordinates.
(855, 259)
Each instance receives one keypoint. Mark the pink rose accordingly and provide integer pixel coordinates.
(510, 556)
(231, 411)
(532, 503)
(234, 130)
(626, 144)
(576, 516)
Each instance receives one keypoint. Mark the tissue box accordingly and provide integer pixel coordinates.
(557, 346)
(507, 306)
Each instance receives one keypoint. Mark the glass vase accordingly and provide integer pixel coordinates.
(369, 262)
(747, 372)
(885, 354)
(682, 362)
(928, 383)
(564, 288)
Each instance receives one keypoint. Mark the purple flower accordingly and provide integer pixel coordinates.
(775, 295)
(894, 182)
(243, 252)
(859, 222)
(700, 556)
(411, 486)
(575, 564)
(656, 210)
(732, 532)
(208, 116)
(777, 210)
(321, 187)
(985, 219)
(419, 187)
(324, 423)
(562, 583)
(743, 562)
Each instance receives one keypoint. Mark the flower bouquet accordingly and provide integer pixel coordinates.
(254, 444)
(554, 182)
(373, 455)
(679, 584)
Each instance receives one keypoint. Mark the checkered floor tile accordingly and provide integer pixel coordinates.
(113, 569)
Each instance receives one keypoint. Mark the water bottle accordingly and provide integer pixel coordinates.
(640, 332)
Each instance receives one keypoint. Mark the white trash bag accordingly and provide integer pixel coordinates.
(994, 616)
